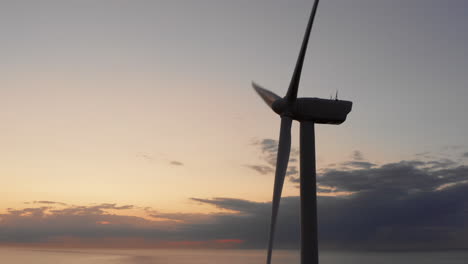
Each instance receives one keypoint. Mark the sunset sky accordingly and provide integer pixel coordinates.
(134, 122)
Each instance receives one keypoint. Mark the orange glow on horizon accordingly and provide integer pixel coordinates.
(129, 243)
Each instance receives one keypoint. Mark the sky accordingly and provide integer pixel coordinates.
(134, 122)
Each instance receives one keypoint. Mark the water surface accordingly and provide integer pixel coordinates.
(82, 256)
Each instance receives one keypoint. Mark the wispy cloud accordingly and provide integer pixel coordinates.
(145, 156)
(49, 203)
(268, 149)
(262, 169)
(358, 164)
(357, 155)
(151, 158)
(177, 163)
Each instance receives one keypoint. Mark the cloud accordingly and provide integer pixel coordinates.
(237, 205)
(410, 204)
(145, 156)
(151, 158)
(357, 155)
(249, 222)
(358, 164)
(268, 149)
(109, 225)
(410, 175)
(177, 163)
(49, 203)
(405, 205)
(395, 206)
(262, 169)
(465, 155)
(103, 225)
(292, 171)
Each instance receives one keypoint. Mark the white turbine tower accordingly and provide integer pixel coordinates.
(308, 111)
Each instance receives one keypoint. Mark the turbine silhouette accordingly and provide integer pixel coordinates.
(308, 111)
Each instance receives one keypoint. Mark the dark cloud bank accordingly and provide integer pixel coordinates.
(406, 205)
(397, 206)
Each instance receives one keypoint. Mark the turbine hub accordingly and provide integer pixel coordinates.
(282, 107)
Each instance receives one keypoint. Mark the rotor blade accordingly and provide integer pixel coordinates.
(284, 148)
(266, 95)
(296, 78)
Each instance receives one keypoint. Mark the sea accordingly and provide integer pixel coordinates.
(81, 256)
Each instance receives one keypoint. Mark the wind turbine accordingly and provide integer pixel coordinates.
(308, 111)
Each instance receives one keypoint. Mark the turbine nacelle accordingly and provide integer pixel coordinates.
(317, 110)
